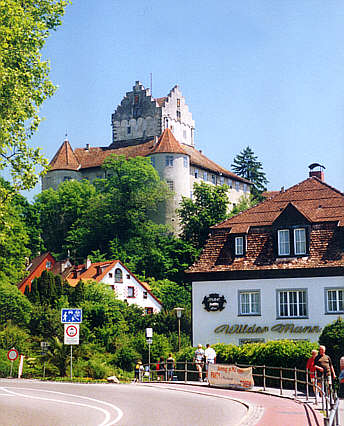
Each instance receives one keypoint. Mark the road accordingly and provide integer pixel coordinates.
(33, 403)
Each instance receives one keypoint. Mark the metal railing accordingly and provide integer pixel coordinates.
(281, 378)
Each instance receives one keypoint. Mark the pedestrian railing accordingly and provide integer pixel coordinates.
(282, 378)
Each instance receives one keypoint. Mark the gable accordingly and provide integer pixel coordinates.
(289, 216)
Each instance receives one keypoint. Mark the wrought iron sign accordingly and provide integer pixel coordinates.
(214, 302)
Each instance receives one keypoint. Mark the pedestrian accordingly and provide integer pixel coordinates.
(170, 365)
(312, 369)
(138, 369)
(160, 367)
(199, 360)
(210, 358)
(323, 364)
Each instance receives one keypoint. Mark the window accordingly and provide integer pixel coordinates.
(66, 178)
(292, 242)
(136, 99)
(118, 276)
(178, 103)
(292, 303)
(169, 160)
(191, 194)
(178, 115)
(152, 159)
(249, 302)
(128, 277)
(245, 187)
(196, 173)
(213, 179)
(48, 264)
(145, 295)
(110, 274)
(334, 301)
(300, 241)
(128, 130)
(185, 161)
(148, 311)
(170, 185)
(237, 186)
(283, 242)
(239, 246)
(222, 180)
(131, 292)
(230, 183)
(184, 134)
(205, 176)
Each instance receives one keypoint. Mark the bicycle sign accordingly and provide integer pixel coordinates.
(71, 315)
(71, 334)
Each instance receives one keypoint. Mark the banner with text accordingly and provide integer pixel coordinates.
(230, 376)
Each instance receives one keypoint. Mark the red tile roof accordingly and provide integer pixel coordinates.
(167, 143)
(320, 204)
(65, 159)
(316, 200)
(83, 158)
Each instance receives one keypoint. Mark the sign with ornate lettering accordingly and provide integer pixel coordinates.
(214, 302)
(278, 328)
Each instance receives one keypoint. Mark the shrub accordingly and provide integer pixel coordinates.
(332, 337)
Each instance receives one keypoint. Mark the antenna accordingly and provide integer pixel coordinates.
(151, 83)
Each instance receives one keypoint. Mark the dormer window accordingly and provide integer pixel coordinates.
(292, 242)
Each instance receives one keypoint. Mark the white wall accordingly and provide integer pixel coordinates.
(204, 323)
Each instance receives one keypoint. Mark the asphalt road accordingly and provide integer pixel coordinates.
(33, 403)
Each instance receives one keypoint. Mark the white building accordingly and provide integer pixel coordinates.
(276, 271)
(162, 129)
(123, 282)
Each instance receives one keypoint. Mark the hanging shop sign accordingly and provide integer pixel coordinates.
(214, 302)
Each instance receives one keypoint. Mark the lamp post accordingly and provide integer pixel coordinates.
(179, 315)
(149, 338)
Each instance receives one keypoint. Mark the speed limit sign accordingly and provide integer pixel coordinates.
(12, 354)
(71, 334)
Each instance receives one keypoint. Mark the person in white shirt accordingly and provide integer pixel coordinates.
(210, 357)
(199, 360)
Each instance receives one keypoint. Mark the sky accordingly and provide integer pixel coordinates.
(268, 74)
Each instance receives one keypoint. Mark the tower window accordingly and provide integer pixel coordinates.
(170, 185)
(178, 103)
(169, 160)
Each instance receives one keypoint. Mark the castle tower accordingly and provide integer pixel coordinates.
(140, 117)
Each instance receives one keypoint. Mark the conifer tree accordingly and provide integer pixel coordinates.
(246, 165)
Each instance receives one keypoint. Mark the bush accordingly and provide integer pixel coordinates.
(332, 337)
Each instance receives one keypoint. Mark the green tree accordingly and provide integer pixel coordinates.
(14, 305)
(24, 84)
(243, 204)
(246, 165)
(208, 207)
(59, 210)
(332, 337)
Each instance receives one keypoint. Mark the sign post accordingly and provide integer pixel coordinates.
(44, 346)
(71, 318)
(149, 339)
(12, 355)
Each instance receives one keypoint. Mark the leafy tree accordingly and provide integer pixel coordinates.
(13, 305)
(246, 165)
(24, 84)
(208, 207)
(13, 242)
(59, 210)
(332, 337)
(244, 204)
(170, 293)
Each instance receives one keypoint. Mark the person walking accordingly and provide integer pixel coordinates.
(170, 366)
(323, 364)
(210, 358)
(138, 369)
(199, 361)
(160, 367)
(312, 368)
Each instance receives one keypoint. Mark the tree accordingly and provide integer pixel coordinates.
(24, 84)
(208, 207)
(332, 337)
(59, 210)
(246, 165)
(13, 305)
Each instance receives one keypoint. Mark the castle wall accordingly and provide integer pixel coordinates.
(55, 177)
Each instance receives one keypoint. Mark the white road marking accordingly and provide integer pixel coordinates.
(105, 412)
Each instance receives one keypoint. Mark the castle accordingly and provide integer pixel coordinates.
(159, 128)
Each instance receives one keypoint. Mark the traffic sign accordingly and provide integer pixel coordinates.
(71, 334)
(71, 315)
(12, 354)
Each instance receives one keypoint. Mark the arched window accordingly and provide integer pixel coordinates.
(118, 276)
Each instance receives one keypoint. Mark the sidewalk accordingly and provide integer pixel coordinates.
(295, 410)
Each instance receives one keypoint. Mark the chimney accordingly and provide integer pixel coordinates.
(87, 146)
(317, 173)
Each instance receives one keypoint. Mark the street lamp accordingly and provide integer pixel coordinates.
(149, 338)
(179, 315)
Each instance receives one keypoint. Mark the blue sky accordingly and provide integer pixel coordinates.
(268, 74)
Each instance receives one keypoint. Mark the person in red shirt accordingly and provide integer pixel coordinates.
(311, 368)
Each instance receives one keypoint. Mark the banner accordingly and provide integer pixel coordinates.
(230, 376)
